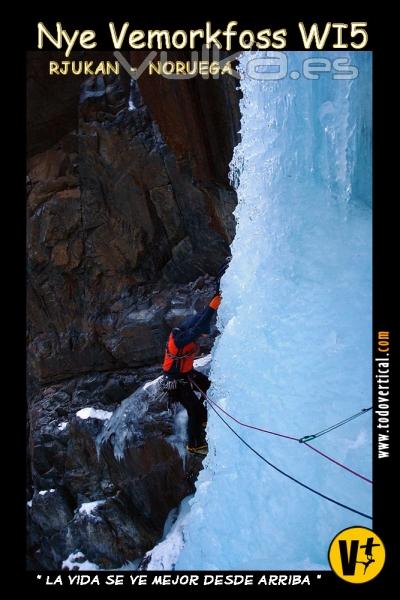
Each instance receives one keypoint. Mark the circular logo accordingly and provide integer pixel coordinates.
(356, 554)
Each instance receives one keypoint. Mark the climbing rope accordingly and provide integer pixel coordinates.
(290, 437)
(308, 438)
(307, 487)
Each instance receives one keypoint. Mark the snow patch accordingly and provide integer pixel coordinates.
(29, 503)
(43, 492)
(164, 556)
(152, 383)
(88, 507)
(73, 564)
(93, 413)
(202, 361)
(62, 426)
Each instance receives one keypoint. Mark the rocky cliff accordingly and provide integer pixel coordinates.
(129, 217)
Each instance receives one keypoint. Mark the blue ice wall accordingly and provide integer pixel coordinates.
(294, 355)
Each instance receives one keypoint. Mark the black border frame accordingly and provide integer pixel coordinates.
(384, 264)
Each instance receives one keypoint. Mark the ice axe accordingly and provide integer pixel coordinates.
(221, 271)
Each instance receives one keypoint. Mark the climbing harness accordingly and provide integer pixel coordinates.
(170, 384)
(178, 356)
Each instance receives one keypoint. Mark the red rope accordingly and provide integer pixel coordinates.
(337, 463)
(289, 437)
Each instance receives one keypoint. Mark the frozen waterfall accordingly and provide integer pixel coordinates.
(294, 355)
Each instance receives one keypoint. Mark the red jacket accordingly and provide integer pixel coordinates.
(179, 360)
(181, 348)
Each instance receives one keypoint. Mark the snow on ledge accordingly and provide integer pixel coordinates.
(164, 555)
(203, 361)
(71, 563)
(152, 383)
(88, 507)
(93, 413)
(62, 426)
(43, 492)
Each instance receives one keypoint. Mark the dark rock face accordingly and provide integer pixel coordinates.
(129, 218)
(104, 476)
(52, 108)
(198, 118)
(115, 216)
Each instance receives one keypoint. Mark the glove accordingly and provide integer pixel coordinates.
(215, 302)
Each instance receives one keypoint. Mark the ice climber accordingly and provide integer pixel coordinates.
(178, 371)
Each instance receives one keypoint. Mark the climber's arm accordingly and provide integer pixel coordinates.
(195, 326)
